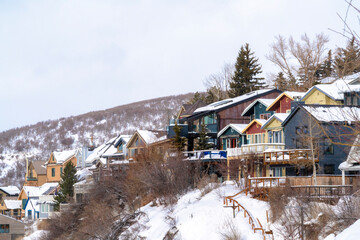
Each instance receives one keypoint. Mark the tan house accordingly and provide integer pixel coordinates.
(57, 162)
(35, 174)
(11, 229)
(141, 140)
(11, 208)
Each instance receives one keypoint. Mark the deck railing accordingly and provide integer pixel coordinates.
(255, 224)
(205, 154)
(292, 156)
(253, 148)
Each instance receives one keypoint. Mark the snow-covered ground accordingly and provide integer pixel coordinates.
(198, 217)
(351, 233)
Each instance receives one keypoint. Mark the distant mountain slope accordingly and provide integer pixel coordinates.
(75, 131)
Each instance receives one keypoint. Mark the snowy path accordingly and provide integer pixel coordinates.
(202, 218)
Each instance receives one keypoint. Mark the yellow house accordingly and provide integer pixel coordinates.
(35, 174)
(276, 137)
(330, 94)
(57, 162)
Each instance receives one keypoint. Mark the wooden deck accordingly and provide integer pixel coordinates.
(259, 187)
(293, 156)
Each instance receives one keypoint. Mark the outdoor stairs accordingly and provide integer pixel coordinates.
(255, 223)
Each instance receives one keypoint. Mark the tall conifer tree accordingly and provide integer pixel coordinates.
(246, 70)
(68, 179)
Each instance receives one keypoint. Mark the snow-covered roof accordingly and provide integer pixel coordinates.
(237, 127)
(265, 102)
(33, 191)
(147, 136)
(11, 190)
(12, 204)
(61, 157)
(99, 151)
(230, 101)
(279, 116)
(336, 89)
(334, 113)
(83, 174)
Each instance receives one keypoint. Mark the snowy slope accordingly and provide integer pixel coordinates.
(75, 131)
(351, 233)
(199, 217)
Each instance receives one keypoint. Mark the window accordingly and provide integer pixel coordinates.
(53, 172)
(44, 207)
(328, 147)
(4, 228)
(61, 171)
(270, 135)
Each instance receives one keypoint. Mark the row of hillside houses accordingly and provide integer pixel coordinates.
(264, 133)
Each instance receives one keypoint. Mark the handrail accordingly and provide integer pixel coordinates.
(255, 225)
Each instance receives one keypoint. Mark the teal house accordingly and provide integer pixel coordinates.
(231, 136)
(257, 109)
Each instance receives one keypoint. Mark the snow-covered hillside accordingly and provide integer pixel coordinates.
(76, 131)
(198, 217)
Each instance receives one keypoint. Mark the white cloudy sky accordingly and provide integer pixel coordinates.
(62, 58)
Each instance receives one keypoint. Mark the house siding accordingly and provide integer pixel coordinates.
(340, 152)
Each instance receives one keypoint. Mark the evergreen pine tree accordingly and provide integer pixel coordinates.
(246, 69)
(68, 179)
(281, 82)
(326, 67)
(202, 139)
(347, 61)
(178, 141)
(197, 96)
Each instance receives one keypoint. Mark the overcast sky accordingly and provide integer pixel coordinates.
(62, 58)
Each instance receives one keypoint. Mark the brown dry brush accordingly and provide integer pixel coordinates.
(113, 204)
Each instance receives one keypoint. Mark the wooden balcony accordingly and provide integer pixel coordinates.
(248, 149)
(292, 156)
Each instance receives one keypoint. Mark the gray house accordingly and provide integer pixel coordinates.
(330, 128)
(11, 229)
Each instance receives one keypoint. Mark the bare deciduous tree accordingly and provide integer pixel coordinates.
(218, 84)
(299, 59)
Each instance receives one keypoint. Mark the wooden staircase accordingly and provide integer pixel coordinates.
(255, 224)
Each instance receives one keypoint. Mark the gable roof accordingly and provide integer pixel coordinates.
(328, 113)
(12, 204)
(265, 102)
(61, 157)
(220, 105)
(237, 127)
(39, 167)
(148, 136)
(99, 151)
(190, 108)
(32, 191)
(259, 121)
(279, 116)
(336, 89)
(11, 190)
(290, 94)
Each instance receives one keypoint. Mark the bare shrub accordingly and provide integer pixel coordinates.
(278, 198)
(230, 231)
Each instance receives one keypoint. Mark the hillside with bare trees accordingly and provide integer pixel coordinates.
(76, 131)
